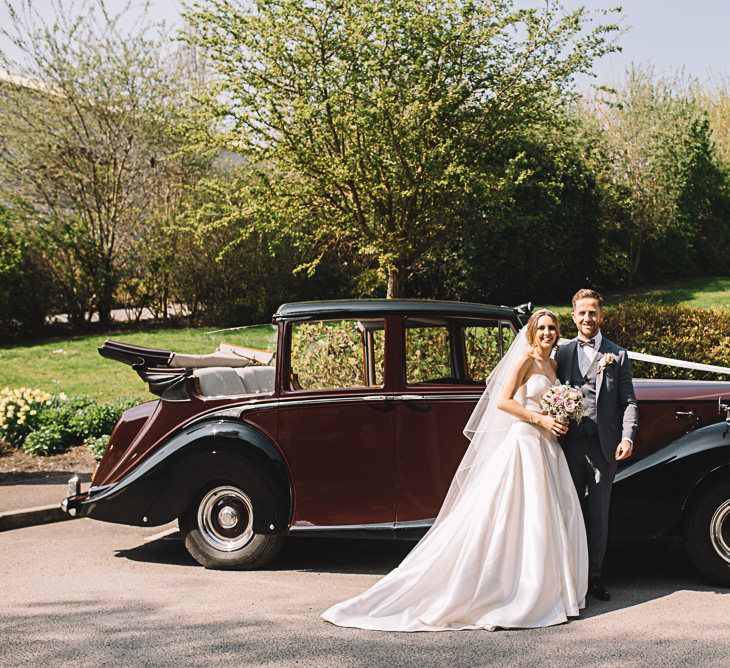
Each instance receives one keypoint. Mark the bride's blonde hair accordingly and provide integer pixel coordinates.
(531, 326)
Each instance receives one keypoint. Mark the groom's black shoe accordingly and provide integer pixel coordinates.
(597, 590)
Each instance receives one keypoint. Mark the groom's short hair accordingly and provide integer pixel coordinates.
(585, 293)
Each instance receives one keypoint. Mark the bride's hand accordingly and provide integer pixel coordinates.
(552, 425)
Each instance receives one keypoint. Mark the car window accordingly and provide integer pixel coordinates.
(453, 351)
(428, 353)
(334, 354)
(484, 346)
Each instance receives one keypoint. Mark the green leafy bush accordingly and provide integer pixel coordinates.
(692, 334)
(98, 445)
(99, 419)
(42, 424)
(81, 418)
(45, 441)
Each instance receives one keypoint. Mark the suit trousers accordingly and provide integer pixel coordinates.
(593, 478)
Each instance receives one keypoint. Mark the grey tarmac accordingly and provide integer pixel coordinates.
(85, 593)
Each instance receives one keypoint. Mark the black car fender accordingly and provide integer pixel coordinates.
(650, 495)
(191, 461)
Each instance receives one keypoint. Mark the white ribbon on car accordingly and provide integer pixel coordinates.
(668, 361)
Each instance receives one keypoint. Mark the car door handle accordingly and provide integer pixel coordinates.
(380, 402)
(688, 415)
(416, 402)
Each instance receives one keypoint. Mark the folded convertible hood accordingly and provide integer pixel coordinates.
(226, 355)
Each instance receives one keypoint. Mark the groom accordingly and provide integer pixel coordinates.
(605, 435)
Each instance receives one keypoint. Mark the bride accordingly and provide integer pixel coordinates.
(508, 548)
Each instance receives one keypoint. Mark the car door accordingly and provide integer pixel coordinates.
(446, 361)
(336, 425)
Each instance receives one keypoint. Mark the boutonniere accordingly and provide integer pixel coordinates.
(606, 360)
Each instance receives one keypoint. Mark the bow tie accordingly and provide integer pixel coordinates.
(589, 342)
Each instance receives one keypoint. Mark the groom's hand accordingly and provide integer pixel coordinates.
(624, 450)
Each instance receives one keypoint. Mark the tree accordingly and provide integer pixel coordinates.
(367, 122)
(93, 127)
(25, 288)
(652, 149)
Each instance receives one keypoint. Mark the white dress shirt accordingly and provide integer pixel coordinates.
(586, 354)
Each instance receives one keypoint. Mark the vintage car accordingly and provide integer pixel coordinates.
(345, 418)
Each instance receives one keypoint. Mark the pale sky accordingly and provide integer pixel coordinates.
(692, 36)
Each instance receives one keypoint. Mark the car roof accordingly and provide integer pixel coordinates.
(333, 307)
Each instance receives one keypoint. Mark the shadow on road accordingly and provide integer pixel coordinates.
(40, 477)
(634, 572)
(643, 571)
(322, 555)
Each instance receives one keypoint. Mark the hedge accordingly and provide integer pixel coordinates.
(692, 334)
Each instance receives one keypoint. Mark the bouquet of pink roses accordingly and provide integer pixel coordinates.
(563, 402)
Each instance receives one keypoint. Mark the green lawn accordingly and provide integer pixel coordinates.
(699, 292)
(74, 366)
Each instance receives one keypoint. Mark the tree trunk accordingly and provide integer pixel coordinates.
(395, 283)
(634, 258)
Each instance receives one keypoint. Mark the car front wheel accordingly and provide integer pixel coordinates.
(707, 533)
(218, 531)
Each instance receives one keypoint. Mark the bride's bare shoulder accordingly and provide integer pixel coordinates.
(523, 366)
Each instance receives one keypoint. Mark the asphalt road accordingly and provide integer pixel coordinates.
(85, 593)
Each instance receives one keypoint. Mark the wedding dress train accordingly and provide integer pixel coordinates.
(510, 554)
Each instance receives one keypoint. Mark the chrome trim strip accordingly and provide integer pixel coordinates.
(411, 524)
(415, 524)
(436, 397)
(341, 527)
(239, 410)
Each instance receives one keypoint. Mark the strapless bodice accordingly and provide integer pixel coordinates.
(528, 394)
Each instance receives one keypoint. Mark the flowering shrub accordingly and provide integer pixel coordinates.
(42, 424)
(20, 411)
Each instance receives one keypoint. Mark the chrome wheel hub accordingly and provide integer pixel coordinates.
(228, 517)
(720, 531)
(225, 518)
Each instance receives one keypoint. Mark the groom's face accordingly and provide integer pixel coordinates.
(587, 316)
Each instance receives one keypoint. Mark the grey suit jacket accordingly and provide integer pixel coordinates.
(617, 412)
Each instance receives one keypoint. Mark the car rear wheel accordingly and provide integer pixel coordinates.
(218, 531)
(707, 533)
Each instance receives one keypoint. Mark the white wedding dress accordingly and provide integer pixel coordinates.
(510, 554)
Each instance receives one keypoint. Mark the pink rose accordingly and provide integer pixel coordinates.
(557, 400)
(570, 405)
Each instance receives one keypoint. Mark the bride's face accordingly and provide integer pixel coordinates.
(546, 333)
